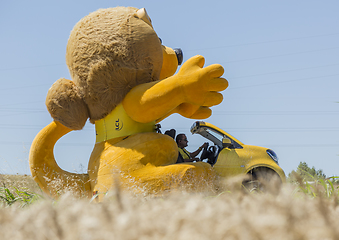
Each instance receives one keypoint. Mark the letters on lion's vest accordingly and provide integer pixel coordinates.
(119, 124)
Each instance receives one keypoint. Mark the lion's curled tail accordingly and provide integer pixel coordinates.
(45, 170)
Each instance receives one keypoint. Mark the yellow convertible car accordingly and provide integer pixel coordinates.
(230, 157)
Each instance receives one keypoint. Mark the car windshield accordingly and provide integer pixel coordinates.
(214, 135)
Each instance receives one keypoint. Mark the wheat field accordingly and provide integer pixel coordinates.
(227, 214)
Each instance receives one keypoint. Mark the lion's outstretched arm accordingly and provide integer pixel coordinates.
(151, 101)
(190, 93)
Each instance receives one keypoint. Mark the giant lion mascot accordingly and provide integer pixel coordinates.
(123, 81)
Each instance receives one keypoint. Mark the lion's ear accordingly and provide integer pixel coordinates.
(65, 104)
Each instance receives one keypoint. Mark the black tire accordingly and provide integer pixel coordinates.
(263, 180)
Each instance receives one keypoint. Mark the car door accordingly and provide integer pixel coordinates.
(229, 163)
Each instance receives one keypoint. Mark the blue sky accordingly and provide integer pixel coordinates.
(280, 58)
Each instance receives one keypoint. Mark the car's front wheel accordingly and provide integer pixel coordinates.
(264, 180)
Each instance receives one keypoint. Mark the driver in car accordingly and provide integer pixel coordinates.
(184, 155)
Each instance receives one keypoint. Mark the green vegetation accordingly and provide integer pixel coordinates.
(21, 197)
(306, 173)
(324, 188)
(314, 183)
(19, 190)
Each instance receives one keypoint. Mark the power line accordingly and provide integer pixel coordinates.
(21, 113)
(24, 87)
(21, 109)
(16, 104)
(28, 67)
(280, 55)
(272, 83)
(292, 70)
(302, 145)
(18, 126)
(263, 42)
(58, 144)
(216, 112)
(316, 129)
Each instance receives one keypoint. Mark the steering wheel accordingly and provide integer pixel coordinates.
(213, 150)
(204, 153)
(212, 155)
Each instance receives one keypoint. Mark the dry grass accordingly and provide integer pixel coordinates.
(231, 214)
(23, 182)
